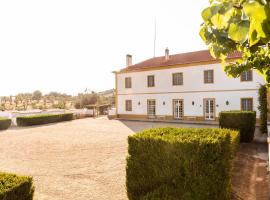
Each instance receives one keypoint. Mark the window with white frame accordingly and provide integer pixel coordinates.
(177, 78)
(246, 75)
(209, 76)
(247, 104)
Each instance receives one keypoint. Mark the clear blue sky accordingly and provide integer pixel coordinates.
(67, 46)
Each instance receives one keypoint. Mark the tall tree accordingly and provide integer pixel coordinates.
(239, 25)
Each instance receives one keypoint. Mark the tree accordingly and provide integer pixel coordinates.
(37, 95)
(86, 99)
(239, 25)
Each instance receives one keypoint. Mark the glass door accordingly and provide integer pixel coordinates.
(209, 109)
(178, 109)
(151, 108)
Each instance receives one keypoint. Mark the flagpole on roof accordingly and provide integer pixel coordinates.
(155, 37)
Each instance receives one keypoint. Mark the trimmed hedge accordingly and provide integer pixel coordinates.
(180, 163)
(13, 187)
(244, 121)
(43, 119)
(4, 123)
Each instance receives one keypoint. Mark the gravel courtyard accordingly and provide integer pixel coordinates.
(82, 159)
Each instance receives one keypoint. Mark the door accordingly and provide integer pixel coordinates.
(151, 108)
(178, 109)
(209, 109)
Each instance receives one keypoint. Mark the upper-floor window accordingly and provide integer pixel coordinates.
(128, 82)
(128, 105)
(209, 76)
(246, 75)
(177, 79)
(151, 81)
(247, 104)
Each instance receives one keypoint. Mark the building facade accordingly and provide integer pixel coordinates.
(189, 86)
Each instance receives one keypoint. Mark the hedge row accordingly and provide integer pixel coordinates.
(180, 163)
(43, 119)
(13, 187)
(244, 121)
(4, 123)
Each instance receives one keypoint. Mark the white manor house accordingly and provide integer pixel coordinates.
(187, 86)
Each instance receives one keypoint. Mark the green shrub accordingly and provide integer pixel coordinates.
(180, 163)
(262, 93)
(43, 119)
(244, 121)
(13, 187)
(4, 123)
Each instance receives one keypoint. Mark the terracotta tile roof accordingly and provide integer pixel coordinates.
(177, 59)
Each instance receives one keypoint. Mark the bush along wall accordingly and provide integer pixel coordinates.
(174, 163)
(263, 108)
(43, 119)
(4, 123)
(244, 121)
(13, 187)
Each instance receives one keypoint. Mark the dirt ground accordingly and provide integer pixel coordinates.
(85, 159)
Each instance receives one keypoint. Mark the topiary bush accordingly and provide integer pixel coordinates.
(4, 123)
(244, 121)
(180, 163)
(43, 119)
(13, 187)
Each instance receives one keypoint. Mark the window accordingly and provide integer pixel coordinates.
(151, 81)
(209, 76)
(246, 76)
(177, 79)
(247, 104)
(128, 105)
(151, 107)
(128, 82)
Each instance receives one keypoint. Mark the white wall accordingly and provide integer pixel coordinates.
(223, 89)
(189, 109)
(193, 80)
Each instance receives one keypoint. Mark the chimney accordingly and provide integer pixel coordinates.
(129, 60)
(167, 55)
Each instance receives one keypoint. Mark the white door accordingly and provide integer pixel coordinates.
(151, 108)
(178, 109)
(209, 109)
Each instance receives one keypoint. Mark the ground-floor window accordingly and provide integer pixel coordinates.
(128, 105)
(151, 107)
(247, 104)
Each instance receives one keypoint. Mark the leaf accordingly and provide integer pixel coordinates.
(239, 31)
(258, 15)
(206, 14)
(219, 21)
(205, 35)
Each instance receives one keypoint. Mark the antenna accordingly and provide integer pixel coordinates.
(155, 37)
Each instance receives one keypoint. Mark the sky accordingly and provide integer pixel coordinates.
(70, 45)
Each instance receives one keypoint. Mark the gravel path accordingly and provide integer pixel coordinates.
(82, 159)
(85, 159)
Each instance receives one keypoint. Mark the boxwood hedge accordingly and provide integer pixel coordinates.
(13, 187)
(180, 163)
(4, 123)
(244, 121)
(43, 119)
